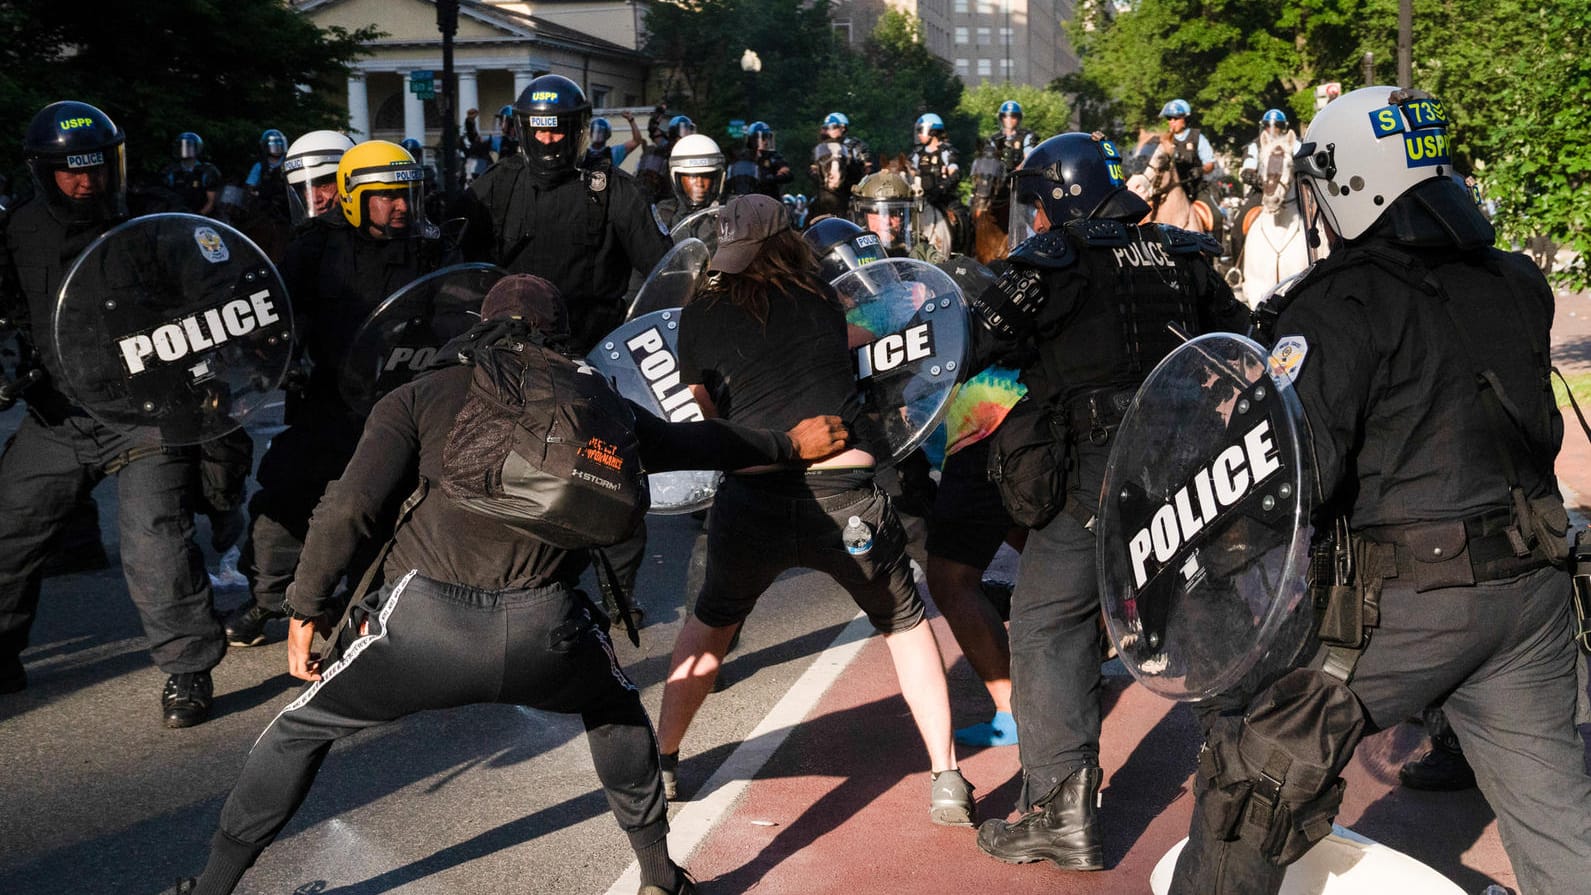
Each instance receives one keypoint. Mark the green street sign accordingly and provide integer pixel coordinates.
(737, 128)
(422, 84)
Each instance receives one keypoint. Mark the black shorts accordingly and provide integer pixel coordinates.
(754, 534)
(969, 522)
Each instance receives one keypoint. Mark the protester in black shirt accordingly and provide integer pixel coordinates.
(767, 343)
(472, 610)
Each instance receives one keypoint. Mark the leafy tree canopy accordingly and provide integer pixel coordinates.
(1044, 112)
(225, 69)
(1511, 73)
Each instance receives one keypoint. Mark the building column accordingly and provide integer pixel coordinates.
(358, 107)
(522, 79)
(413, 113)
(469, 93)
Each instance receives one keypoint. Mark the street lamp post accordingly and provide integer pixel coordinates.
(447, 21)
(751, 64)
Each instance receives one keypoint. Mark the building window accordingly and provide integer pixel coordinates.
(983, 68)
(983, 37)
(961, 36)
(962, 69)
(842, 27)
(599, 95)
(988, 7)
(1005, 35)
(961, 6)
(1005, 69)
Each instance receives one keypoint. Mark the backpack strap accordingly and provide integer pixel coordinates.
(613, 590)
(354, 599)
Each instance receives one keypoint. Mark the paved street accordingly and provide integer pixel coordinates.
(99, 798)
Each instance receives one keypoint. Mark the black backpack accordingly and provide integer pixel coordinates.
(544, 444)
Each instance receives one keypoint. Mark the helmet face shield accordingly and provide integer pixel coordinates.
(888, 219)
(311, 173)
(381, 189)
(1022, 224)
(601, 130)
(552, 142)
(78, 160)
(84, 187)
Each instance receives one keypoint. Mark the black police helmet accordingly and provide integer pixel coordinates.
(841, 246)
(1076, 176)
(78, 138)
(554, 104)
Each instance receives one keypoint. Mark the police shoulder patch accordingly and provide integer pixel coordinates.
(1100, 232)
(1287, 359)
(1187, 242)
(1050, 250)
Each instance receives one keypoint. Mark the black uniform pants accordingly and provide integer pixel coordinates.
(45, 472)
(1502, 657)
(434, 645)
(300, 463)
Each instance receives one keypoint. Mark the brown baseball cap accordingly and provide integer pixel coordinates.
(743, 225)
(530, 298)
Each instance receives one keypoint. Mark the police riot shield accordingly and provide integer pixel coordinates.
(1203, 526)
(401, 336)
(909, 335)
(673, 279)
(641, 358)
(174, 325)
(702, 225)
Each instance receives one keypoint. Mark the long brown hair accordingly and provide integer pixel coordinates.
(785, 263)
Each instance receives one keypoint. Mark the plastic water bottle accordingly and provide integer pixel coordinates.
(858, 536)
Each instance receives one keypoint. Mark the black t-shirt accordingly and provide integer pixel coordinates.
(769, 375)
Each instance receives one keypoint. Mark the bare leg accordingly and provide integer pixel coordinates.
(697, 655)
(921, 672)
(957, 589)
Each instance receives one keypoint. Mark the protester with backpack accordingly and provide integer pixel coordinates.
(473, 608)
(766, 342)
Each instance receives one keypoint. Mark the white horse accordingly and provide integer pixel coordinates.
(1274, 247)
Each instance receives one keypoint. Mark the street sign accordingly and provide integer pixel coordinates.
(737, 128)
(422, 84)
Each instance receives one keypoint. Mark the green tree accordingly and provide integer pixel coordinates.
(226, 69)
(1044, 112)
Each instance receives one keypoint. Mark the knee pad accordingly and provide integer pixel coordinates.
(1272, 777)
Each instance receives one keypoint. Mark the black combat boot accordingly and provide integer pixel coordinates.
(185, 701)
(1061, 829)
(246, 625)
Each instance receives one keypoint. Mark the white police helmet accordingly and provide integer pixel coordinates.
(696, 155)
(1366, 149)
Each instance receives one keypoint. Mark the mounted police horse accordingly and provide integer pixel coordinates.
(1273, 242)
(1159, 185)
(991, 207)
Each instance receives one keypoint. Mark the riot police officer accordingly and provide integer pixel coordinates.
(599, 154)
(1420, 355)
(1012, 144)
(196, 182)
(311, 173)
(266, 181)
(76, 155)
(758, 167)
(936, 173)
(839, 162)
(882, 204)
(537, 212)
(1092, 294)
(338, 268)
(696, 169)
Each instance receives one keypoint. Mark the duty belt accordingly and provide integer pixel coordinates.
(1457, 552)
(1096, 414)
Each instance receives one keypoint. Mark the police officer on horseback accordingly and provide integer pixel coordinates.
(1012, 144)
(936, 175)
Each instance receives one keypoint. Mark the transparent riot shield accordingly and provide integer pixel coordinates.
(401, 336)
(1203, 527)
(673, 279)
(174, 325)
(702, 225)
(641, 357)
(909, 336)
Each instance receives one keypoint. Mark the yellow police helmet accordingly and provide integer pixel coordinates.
(377, 166)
